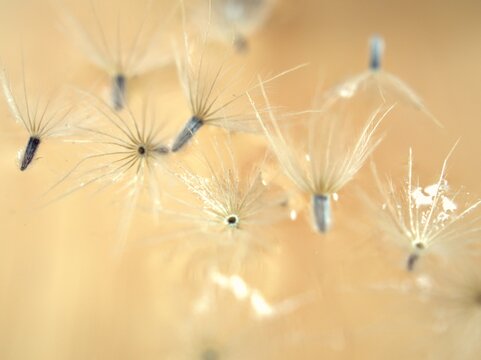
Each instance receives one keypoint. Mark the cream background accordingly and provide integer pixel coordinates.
(63, 296)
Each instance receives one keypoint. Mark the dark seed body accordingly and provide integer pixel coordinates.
(241, 44)
(192, 126)
(118, 91)
(162, 150)
(321, 206)
(375, 64)
(209, 354)
(376, 53)
(411, 262)
(142, 150)
(30, 150)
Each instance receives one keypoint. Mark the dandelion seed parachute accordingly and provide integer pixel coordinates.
(429, 218)
(222, 214)
(222, 204)
(331, 159)
(230, 205)
(390, 88)
(206, 93)
(39, 123)
(130, 151)
(121, 59)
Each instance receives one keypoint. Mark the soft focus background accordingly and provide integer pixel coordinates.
(345, 295)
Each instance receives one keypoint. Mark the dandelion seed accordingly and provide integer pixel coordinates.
(244, 17)
(206, 94)
(330, 161)
(428, 218)
(234, 20)
(454, 296)
(219, 217)
(389, 87)
(130, 151)
(39, 123)
(208, 108)
(120, 56)
(229, 205)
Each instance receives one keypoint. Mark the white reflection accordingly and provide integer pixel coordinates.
(242, 291)
(347, 90)
(293, 215)
(261, 307)
(432, 194)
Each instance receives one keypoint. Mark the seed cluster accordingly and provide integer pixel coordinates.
(237, 179)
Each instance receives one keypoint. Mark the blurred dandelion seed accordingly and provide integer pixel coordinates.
(427, 217)
(119, 58)
(225, 330)
(377, 50)
(331, 159)
(210, 354)
(455, 300)
(228, 318)
(389, 87)
(238, 19)
(39, 123)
